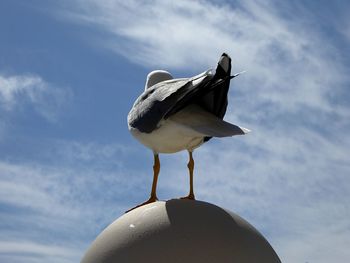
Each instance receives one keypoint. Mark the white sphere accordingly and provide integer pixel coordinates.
(180, 231)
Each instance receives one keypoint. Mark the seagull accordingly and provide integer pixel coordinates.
(173, 115)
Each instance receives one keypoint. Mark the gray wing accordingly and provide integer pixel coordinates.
(157, 101)
(199, 120)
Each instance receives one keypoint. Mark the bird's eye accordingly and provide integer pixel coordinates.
(145, 96)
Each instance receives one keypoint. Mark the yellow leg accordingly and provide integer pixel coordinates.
(153, 197)
(190, 166)
(156, 169)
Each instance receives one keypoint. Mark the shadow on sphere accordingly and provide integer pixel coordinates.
(208, 230)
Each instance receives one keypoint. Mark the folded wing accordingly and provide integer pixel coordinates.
(197, 119)
(156, 102)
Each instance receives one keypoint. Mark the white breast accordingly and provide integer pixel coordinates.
(170, 137)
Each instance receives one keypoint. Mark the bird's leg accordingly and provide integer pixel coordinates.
(190, 166)
(153, 197)
(156, 169)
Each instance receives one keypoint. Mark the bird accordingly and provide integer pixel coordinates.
(176, 114)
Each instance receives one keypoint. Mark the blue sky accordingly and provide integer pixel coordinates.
(70, 71)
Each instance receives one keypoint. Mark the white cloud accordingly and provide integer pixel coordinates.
(44, 97)
(57, 207)
(41, 211)
(10, 87)
(289, 64)
(36, 252)
(55, 212)
(92, 152)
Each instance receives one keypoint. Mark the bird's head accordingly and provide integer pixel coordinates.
(157, 76)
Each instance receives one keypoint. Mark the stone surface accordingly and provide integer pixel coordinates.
(180, 231)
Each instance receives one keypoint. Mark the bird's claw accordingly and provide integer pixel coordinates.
(150, 200)
(189, 197)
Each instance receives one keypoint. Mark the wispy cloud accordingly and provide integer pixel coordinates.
(282, 54)
(35, 204)
(29, 251)
(44, 97)
(112, 154)
(50, 212)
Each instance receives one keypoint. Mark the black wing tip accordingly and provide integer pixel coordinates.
(224, 66)
(225, 55)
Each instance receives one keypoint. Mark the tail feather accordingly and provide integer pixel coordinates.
(216, 100)
(224, 67)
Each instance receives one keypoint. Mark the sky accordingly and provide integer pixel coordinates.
(71, 70)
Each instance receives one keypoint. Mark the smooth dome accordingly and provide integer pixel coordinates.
(180, 231)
